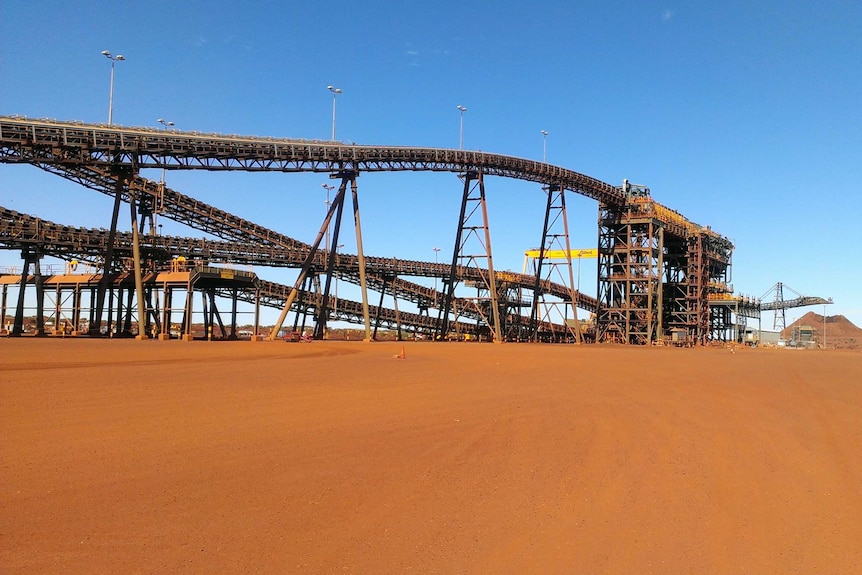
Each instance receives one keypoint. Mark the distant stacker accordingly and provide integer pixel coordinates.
(779, 305)
(559, 255)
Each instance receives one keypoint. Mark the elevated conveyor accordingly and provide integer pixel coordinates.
(637, 236)
(69, 143)
(19, 231)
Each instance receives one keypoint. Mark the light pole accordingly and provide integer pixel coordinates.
(166, 125)
(461, 109)
(328, 189)
(160, 201)
(436, 251)
(544, 146)
(113, 59)
(335, 92)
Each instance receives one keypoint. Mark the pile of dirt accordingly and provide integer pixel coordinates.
(840, 332)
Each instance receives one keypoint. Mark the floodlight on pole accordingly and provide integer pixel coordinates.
(335, 92)
(461, 109)
(113, 59)
(166, 124)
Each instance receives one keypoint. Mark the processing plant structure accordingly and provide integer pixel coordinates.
(662, 279)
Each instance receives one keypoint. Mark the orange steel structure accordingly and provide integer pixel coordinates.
(658, 272)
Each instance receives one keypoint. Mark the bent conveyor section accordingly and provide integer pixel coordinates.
(67, 143)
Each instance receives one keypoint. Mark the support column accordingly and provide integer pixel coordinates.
(139, 282)
(574, 294)
(361, 255)
(472, 205)
(167, 302)
(307, 264)
(38, 280)
(630, 274)
(256, 336)
(208, 320)
(697, 298)
(397, 313)
(322, 315)
(124, 175)
(555, 216)
(233, 299)
(187, 315)
(18, 324)
(3, 328)
(76, 309)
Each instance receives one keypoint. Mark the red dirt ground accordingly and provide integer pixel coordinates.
(331, 457)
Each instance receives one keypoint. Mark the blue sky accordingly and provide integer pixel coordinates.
(742, 116)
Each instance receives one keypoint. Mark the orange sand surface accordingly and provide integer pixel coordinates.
(335, 457)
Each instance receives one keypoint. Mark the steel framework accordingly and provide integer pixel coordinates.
(555, 236)
(630, 269)
(640, 296)
(657, 271)
(20, 231)
(472, 249)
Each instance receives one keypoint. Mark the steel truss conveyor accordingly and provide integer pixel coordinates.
(67, 147)
(657, 270)
(69, 143)
(384, 273)
(22, 231)
(68, 292)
